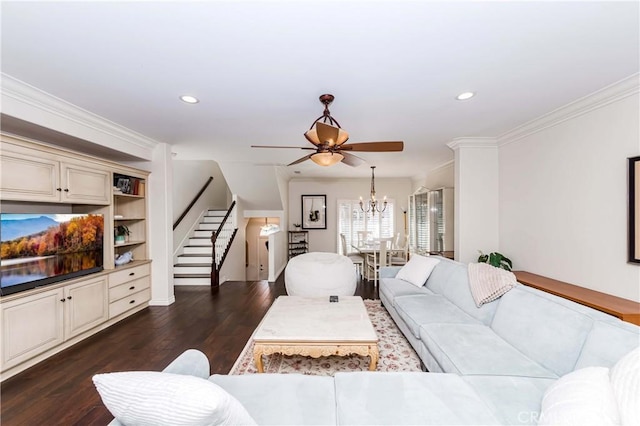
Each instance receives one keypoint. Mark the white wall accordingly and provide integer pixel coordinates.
(188, 179)
(440, 177)
(161, 234)
(476, 197)
(563, 194)
(327, 240)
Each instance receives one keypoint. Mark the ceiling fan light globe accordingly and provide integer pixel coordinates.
(326, 159)
(312, 136)
(342, 137)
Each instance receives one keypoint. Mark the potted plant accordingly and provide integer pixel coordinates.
(496, 259)
(121, 234)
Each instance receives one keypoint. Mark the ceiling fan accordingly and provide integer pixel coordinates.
(329, 140)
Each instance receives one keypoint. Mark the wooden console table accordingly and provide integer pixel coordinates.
(626, 310)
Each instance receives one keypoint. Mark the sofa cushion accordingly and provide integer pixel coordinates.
(417, 269)
(287, 399)
(416, 310)
(408, 399)
(607, 343)
(394, 287)
(582, 397)
(514, 400)
(441, 273)
(476, 349)
(546, 331)
(458, 291)
(150, 397)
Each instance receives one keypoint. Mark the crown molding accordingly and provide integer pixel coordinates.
(20, 96)
(603, 97)
(470, 142)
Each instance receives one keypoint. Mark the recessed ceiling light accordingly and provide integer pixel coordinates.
(189, 99)
(464, 96)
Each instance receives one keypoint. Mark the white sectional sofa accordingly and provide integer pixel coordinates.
(488, 365)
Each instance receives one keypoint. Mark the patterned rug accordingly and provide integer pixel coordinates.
(396, 354)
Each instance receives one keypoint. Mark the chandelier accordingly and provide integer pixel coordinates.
(373, 205)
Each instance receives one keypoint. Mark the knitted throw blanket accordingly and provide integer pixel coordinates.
(487, 282)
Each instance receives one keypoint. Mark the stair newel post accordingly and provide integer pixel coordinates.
(215, 274)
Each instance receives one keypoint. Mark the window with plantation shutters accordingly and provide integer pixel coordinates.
(419, 223)
(352, 219)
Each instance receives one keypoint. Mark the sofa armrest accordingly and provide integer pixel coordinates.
(389, 271)
(191, 362)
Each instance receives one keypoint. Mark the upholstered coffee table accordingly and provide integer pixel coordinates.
(316, 327)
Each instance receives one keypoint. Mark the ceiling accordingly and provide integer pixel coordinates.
(258, 68)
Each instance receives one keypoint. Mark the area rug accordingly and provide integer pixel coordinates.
(396, 354)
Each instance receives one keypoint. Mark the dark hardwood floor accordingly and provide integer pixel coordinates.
(59, 390)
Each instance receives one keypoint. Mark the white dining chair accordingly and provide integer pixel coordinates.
(378, 259)
(356, 258)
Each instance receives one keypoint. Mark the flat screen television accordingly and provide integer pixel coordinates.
(41, 249)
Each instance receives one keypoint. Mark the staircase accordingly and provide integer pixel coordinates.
(194, 265)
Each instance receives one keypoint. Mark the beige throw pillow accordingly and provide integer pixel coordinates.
(488, 283)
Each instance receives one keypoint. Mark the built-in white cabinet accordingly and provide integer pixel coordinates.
(38, 178)
(86, 306)
(39, 175)
(36, 323)
(128, 289)
(31, 325)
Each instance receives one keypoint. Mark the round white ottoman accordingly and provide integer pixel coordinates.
(320, 274)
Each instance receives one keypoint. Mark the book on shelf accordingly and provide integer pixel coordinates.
(128, 185)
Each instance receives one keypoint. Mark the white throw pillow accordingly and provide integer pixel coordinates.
(583, 397)
(154, 398)
(417, 269)
(625, 380)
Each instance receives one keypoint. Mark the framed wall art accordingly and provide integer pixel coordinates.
(314, 212)
(634, 209)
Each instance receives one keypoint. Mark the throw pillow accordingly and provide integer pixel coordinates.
(582, 397)
(154, 398)
(417, 269)
(625, 380)
(487, 283)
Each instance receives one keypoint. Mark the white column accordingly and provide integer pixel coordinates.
(476, 197)
(161, 226)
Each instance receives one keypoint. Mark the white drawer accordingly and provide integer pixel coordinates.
(123, 305)
(124, 290)
(125, 275)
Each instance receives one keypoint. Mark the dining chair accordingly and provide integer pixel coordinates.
(378, 259)
(400, 253)
(363, 237)
(357, 259)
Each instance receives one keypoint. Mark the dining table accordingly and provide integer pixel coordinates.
(365, 250)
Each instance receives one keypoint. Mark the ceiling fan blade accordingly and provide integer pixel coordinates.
(277, 146)
(300, 160)
(351, 160)
(392, 146)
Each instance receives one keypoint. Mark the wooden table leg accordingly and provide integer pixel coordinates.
(373, 355)
(257, 358)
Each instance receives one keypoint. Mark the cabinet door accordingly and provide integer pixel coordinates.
(86, 306)
(30, 326)
(28, 178)
(84, 185)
